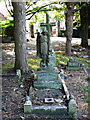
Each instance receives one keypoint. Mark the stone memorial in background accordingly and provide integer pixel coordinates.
(38, 44)
(73, 64)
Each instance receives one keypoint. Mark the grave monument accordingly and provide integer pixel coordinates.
(38, 44)
(51, 96)
(73, 64)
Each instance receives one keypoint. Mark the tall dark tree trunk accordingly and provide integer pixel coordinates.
(58, 28)
(84, 26)
(21, 59)
(32, 31)
(69, 13)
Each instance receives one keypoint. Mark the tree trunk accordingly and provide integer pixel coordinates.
(21, 59)
(32, 31)
(84, 26)
(69, 13)
(58, 28)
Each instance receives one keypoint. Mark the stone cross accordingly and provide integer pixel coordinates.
(47, 25)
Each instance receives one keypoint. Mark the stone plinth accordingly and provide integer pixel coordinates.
(27, 107)
(73, 64)
(46, 75)
(47, 79)
(49, 110)
(51, 85)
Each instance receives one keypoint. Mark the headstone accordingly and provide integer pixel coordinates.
(73, 64)
(18, 73)
(48, 72)
(48, 95)
(28, 105)
(72, 105)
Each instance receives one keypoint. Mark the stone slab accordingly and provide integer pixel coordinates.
(47, 75)
(72, 68)
(49, 110)
(73, 64)
(64, 87)
(47, 93)
(50, 85)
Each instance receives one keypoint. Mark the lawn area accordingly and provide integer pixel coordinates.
(34, 63)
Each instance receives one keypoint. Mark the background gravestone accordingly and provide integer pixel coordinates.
(73, 64)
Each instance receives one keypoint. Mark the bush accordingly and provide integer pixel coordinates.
(7, 27)
(9, 31)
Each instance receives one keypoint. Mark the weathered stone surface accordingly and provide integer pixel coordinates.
(47, 79)
(47, 75)
(44, 85)
(52, 60)
(72, 106)
(49, 100)
(18, 73)
(73, 64)
(27, 107)
(49, 110)
(47, 93)
(72, 68)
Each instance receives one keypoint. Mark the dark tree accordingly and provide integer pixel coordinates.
(32, 31)
(69, 13)
(58, 28)
(21, 60)
(84, 25)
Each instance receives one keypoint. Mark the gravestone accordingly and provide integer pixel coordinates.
(73, 64)
(50, 96)
(27, 105)
(48, 72)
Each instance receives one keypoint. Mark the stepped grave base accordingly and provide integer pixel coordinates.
(48, 102)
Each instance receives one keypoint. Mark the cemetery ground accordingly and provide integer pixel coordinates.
(14, 90)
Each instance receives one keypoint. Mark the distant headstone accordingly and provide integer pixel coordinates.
(73, 64)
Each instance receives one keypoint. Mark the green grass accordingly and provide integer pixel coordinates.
(63, 59)
(6, 67)
(34, 63)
